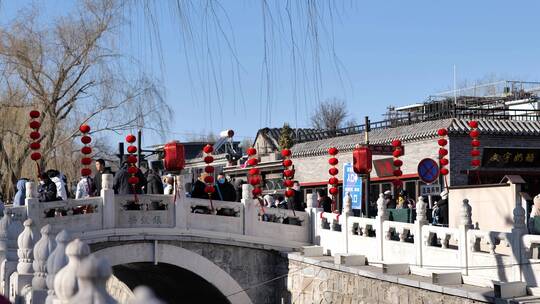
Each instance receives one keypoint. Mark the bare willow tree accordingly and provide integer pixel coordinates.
(331, 114)
(70, 70)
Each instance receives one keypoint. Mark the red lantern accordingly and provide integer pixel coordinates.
(35, 156)
(132, 149)
(444, 161)
(333, 191)
(398, 173)
(255, 180)
(443, 152)
(251, 151)
(34, 114)
(473, 124)
(442, 142)
(87, 139)
(444, 171)
(88, 150)
(362, 160)
(475, 153)
(209, 189)
(84, 128)
(333, 151)
(474, 133)
(288, 173)
(288, 183)
(442, 132)
(208, 159)
(333, 171)
(132, 170)
(35, 146)
(209, 179)
(397, 153)
(208, 149)
(174, 160)
(86, 172)
(396, 143)
(398, 163)
(132, 159)
(475, 162)
(475, 143)
(256, 191)
(131, 138)
(86, 161)
(35, 135)
(252, 162)
(333, 161)
(333, 181)
(287, 163)
(253, 171)
(209, 169)
(289, 193)
(35, 124)
(397, 183)
(133, 180)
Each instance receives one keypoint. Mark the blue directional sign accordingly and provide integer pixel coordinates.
(352, 184)
(428, 170)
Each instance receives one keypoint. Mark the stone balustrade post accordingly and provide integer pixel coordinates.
(421, 220)
(56, 261)
(107, 196)
(181, 205)
(250, 209)
(32, 202)
(144, 295)
(92, 276)
(9, 265)
(24, 275)
(311, 210)
(65, 281)
(31, 190)
(379, 231)
(464, 225)
(519, 229)
(42, 250)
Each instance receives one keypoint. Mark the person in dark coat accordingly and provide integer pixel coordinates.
(225, 190)
(198, 187)
(47, 189)
(121, 184)
(100, 170)
(324, 201)
(238, 188)
(154, 184)
(298, 198)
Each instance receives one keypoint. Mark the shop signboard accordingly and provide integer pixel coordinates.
(510, 157)
(352, 183)
(433, 189)
(383, 149)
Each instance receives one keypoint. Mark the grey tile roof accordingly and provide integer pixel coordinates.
(416, 131)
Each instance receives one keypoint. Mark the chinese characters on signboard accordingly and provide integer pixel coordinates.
(352, 184)
(510, 158)
(384, 167)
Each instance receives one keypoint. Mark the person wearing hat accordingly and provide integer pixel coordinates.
(435, 214)
(389, 202)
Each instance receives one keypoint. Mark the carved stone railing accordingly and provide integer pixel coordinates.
(398, 231)
(218, 216)
(157, 211)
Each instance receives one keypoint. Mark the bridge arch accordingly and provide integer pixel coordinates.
(180, 257)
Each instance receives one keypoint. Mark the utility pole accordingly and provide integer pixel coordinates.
(367, 128)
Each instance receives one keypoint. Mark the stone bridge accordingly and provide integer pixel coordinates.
(243, 253)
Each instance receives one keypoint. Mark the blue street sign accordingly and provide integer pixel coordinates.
(352, 184)
(428, 170)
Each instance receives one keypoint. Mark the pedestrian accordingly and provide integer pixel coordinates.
(47, 190)
(298, 198)
(198, 187)
(388, 200)
(121, 181)
(85, 187)
(238, 187)
(225, 189)
(169, 185)
(20, 195)
(281, 202)
(100, 170)
(269, 200)
(325, 202)
(154, 184)
(59, 180)
(435, 214)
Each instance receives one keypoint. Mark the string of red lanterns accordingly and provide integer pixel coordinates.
(35, 136)
(475, 144)
(333, 171)
(288, 172)
(443, 152)
(85, 150)
(132, 169)
(254, 174)
(209, 169)
(398, 151)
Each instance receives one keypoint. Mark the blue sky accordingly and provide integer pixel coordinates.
(391, 53)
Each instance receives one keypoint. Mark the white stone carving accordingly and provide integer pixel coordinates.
(31, 190)
(381, 207)
(466, 214)
(56, 261)
(25, 250)
(106, 181)
(92, 274)
(43, 248)
(421, 211)
(347, 206)
(65, 281)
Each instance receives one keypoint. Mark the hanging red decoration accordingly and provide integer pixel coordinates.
(132, 159)
(208, 159)
(132, 164)
(254, 174)
(35, 136)
(288, 172)
(286, 153)
(362, 160)
(132, 149)
(333, 171)
(444, 171)
(287, 163)
(209, 179)
(288, 183)
(398, 151)
(132, 170)
(209, 189)
(475, 144)
(209, 169)
(85, 150)
(208, 149)
(131, 138)
(443, 152)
